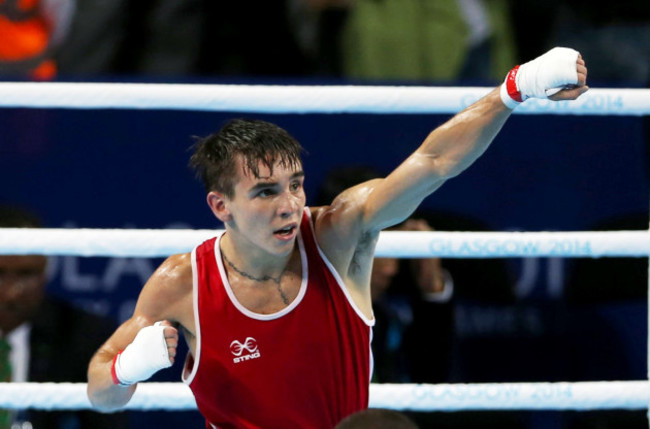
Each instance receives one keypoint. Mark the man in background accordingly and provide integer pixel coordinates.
(44, 339)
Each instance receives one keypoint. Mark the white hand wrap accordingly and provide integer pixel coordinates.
(146, 355)
(541, 77)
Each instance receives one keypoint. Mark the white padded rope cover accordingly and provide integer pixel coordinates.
(302, 99)
(165, 242)
(596, 395)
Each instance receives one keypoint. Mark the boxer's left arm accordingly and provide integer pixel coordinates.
(455, 145)
(559, 74)
(348, 229)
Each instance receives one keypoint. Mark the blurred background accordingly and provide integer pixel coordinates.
(535, 319)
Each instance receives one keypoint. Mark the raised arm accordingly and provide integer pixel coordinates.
(140, 346)
(448, 150)
(348, 229)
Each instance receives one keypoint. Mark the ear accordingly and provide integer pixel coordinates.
(217, 203)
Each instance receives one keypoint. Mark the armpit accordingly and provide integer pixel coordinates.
(363, 254)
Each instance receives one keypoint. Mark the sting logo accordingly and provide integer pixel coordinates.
(246, 351)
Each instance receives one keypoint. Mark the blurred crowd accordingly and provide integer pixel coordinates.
(388, 40)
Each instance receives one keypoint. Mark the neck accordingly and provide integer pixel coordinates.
(258, 276)
(264, 278)
(257, 265)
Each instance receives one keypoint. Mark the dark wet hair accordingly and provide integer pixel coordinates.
(214, 157)
(377, 418)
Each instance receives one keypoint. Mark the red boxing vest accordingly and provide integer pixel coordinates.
(306, 366)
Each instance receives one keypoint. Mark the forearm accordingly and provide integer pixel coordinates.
(112, 374)
(103, 393)
(455, 145)
(560, 74)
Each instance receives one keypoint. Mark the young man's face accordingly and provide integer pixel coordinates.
(266, 210)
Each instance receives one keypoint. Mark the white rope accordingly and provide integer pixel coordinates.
(596, 395)
(72, 396)
(301, 99)
(164, 242)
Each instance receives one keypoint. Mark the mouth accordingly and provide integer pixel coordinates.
(287, 232)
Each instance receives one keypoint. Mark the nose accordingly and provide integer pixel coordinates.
(289, 205)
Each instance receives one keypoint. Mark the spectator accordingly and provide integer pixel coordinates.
(49, 340)
(30, 31)
(181, 39)
(415, 40)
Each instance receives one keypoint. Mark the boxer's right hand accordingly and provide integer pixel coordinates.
(152, 349)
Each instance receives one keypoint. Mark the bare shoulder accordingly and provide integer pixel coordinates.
(344, 220)
(175, 271)
(341, 229)
(344, 237)
(167, 295)
(168, 292)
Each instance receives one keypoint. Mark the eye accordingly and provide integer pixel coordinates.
(266, 192)
(295, 186)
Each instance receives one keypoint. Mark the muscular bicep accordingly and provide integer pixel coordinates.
(344, 233)
(348, 229)
(167, 295)
(378, 204)
(446, 152)
(394, 198)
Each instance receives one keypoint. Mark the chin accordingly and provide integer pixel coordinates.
(285, 248)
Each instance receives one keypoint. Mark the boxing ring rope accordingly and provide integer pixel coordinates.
(301, 99)
(631, 395)
(403, 244)
(628, 395)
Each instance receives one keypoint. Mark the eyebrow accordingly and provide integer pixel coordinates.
(263, 185)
